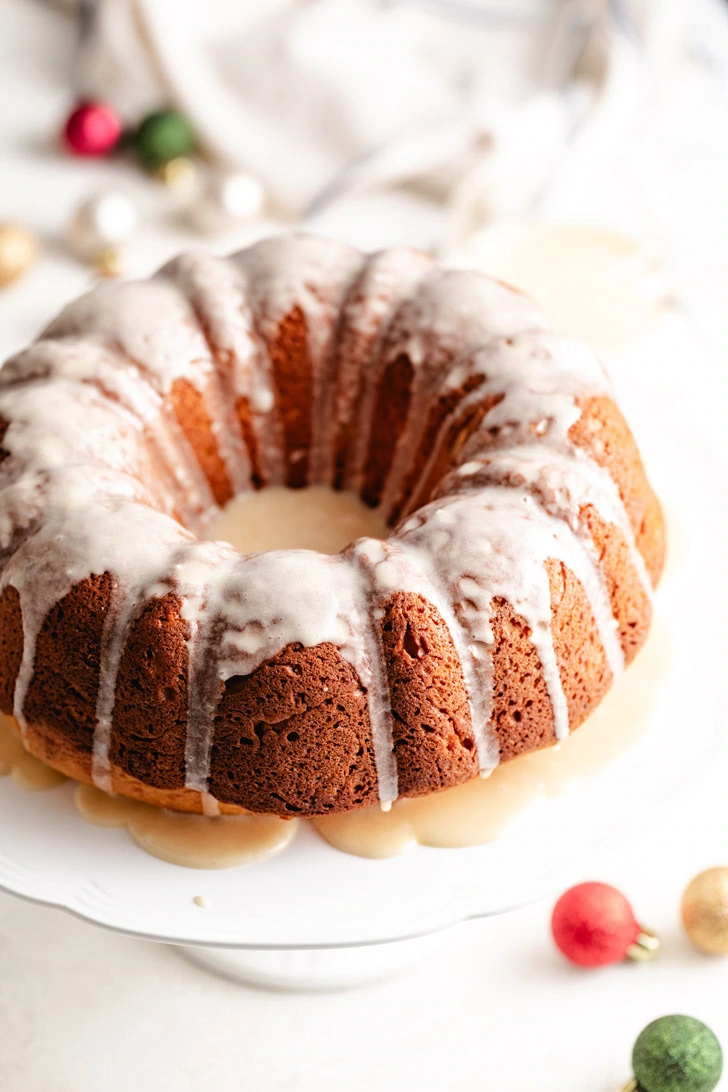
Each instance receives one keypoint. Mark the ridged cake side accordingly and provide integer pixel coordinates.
(515, 584)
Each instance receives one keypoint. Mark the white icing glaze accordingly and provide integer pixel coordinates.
(398, 567)
(131, 541)
(387, 279)
(461, 553)
(147, 553)
(451, 312)
(199, 577)
(256, 615)
(155, 325)
(210, 806)
(564, 482)
(217, 291)
(312, 275)
(127, 389)
(99, 469)
(260, 617)
(538, 378)
(149, 321)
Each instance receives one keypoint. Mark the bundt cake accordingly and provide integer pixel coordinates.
(514, 585)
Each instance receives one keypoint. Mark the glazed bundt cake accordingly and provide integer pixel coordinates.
(514, 585)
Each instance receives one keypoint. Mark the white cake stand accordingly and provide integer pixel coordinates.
(313, 917)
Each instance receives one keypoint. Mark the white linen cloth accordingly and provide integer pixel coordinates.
(316, 97)
(459, 120)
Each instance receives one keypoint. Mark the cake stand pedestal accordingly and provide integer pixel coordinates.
(312, 917)
(316, 968)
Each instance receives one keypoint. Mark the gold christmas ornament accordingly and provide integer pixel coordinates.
(705, 911)
(18, 251)
(178, 175)
(102, 223)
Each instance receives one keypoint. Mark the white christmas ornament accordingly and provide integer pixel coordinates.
(103, 222)
(225, 199)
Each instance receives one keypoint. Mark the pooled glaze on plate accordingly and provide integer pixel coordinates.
(469, 815)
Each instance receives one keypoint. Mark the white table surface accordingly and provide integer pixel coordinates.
(82, 1009)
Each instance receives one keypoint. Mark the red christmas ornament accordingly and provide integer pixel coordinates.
(92, 129)
(594, 925)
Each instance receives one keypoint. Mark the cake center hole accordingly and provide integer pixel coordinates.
(277, 518)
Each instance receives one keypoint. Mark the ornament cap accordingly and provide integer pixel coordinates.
(645, 948)
(107, 263)
(630, 1086)
(178, 175)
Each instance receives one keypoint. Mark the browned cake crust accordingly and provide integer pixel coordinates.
(294, 736)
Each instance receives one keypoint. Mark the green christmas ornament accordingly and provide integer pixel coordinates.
(676, 1054)
(162, 137)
